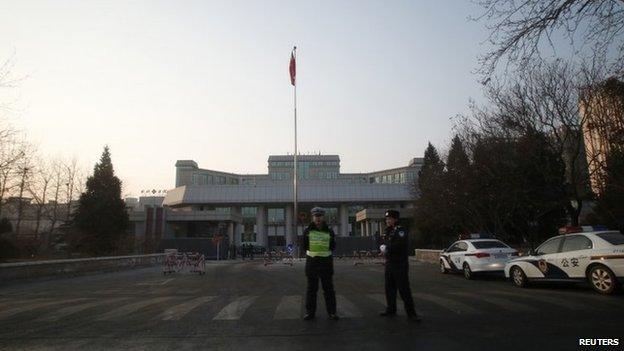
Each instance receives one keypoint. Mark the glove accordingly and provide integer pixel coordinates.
(382, 248)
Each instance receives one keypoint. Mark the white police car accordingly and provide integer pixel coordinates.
(591, 254)
(475, 254)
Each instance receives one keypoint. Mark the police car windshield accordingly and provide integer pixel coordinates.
(614, 238)
(491, 244)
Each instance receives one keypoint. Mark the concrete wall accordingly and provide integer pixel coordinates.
(432, 256)
(71, 267)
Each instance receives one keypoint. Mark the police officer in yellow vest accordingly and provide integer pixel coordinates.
(395, 248)
(319, 242)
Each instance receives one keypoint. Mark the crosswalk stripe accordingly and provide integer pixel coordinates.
(67, 311)
(502, 303)
(346, 308)
(449, 304)
(289, 307)
(381, 298)
(180, 310)
(128, 309)
(547, 299)
(13, 302)
(35, 305)
(235, 309)
(595, 300)
(375, 269)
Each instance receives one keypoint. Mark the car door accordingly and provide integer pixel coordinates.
(450, 255)
(575, 255)
(547, 255)
(458, 256)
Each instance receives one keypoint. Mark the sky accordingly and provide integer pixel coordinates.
(160, 81)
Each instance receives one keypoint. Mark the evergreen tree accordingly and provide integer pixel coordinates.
(519, 188)
(609, 208)
(457, 186)
(101, 217)
(430, 206)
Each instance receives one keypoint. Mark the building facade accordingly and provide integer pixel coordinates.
(258, 208)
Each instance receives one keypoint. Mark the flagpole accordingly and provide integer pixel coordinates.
(295, 212)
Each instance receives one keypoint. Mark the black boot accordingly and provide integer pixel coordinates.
(308, 316)
(413, 317)
(387, 313)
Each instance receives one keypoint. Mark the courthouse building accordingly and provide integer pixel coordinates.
(258, 208)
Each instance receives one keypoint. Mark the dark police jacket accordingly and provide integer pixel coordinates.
(397, 248)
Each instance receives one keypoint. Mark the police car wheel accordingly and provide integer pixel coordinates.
(602, 279)
(518, 278)
(467, 271)
(443, 269)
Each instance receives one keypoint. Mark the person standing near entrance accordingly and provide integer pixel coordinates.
(319, 242)
(395, 247)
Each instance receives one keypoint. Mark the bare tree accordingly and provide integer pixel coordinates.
(25, 171)
(39, 188)
(14, 152)
(73, 175)
(58, 182)
(520, 30)
(547, 99)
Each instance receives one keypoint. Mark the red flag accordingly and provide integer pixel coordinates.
(292, 68)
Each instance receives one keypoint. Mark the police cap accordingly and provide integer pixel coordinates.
(318, 211)
(392, 213)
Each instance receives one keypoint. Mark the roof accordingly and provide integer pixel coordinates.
(283, 193)
(304, 158)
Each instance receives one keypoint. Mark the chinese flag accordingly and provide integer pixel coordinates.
(292, 68)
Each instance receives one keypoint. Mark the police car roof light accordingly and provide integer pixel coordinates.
(570, 229)
(475, 236)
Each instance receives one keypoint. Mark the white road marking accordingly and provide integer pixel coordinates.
(235, 309)
(381, 298)
(36, 304)
(178, 311)
(158, 282)
(346, 308)
(289, 307)
(547, 299)
(128, 309)
(502, 303)
(67, 311)
(449, 304)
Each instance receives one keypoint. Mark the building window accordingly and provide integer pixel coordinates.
(249, 211)
(225, 210)
(275, 215)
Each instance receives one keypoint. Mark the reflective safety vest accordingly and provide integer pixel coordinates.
(319, 244)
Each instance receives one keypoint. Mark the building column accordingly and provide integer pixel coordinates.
(167, 231)
(262, 238)
(344, 220)
(230, 232)
(288, 225)
(238, 227)
(361, 228)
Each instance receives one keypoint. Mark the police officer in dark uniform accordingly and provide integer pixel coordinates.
(319, 242)
(395, 247)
